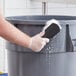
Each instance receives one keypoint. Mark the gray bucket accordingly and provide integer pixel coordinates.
(57, 58)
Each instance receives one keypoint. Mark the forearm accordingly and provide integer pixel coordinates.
(9, 32)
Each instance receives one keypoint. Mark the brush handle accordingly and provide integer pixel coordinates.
(51, 31)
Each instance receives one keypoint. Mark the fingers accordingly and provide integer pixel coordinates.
(42, 43)
(41, 33)
(46, 40)
(42, 46)
(37, 43)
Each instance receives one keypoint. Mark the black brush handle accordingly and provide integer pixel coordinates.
(51, 31)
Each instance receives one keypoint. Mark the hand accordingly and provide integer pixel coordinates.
(37, 42)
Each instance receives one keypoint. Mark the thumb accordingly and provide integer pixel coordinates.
(41, 33)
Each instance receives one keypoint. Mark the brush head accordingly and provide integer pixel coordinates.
(51, 28)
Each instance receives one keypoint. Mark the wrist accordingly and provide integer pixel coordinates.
(29, 42)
